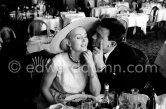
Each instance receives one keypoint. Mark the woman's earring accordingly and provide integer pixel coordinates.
(70, 48)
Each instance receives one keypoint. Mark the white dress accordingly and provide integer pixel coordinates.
(70, 78)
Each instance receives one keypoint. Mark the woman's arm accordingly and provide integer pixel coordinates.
(46, 83)
(95, 86)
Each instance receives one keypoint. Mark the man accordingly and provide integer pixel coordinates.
(120, 66)
(85, 6)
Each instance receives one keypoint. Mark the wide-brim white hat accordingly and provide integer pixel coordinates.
(89, 23)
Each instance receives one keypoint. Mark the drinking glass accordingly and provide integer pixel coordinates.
(67, 9)
(134, 91)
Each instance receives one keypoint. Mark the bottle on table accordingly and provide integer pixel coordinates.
(116, 100)
(151, 104)
(106, 101)
(17, 13)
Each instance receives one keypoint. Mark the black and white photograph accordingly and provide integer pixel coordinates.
(83, 54)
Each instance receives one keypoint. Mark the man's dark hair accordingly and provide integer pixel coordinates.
(116, 28)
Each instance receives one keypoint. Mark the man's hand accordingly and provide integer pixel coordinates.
(98, 57)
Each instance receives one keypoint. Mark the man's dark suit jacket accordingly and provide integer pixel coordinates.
(116, 73)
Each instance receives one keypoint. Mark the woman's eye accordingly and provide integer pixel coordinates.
(78, 37)
(98, 35)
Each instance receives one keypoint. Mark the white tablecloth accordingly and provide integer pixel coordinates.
(98, 11)
(138, 19)
(161, 15)
(38, 43)
(122, 3)
(53, 23)
(69, 17)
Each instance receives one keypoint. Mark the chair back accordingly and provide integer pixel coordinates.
(35, 28)
(37, 62)
(7, 35)
(101, 3)
(124, 22)
(153, 14)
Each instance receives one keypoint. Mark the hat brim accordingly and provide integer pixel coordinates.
(89, 23)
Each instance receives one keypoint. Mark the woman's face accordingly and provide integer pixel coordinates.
(78, 40)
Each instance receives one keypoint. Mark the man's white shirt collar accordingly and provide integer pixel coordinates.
(108, 53)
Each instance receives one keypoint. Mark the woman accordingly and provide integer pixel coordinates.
(70, 70)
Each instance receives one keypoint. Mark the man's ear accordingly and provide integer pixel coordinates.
(112, 44)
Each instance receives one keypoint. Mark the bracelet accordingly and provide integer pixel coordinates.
(92, 76)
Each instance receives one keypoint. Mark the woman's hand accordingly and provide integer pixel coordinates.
(88, 58)
(58, 97)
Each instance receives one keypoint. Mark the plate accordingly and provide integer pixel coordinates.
(57, 106)
(35, 38)
(80, 101)
(79, 96)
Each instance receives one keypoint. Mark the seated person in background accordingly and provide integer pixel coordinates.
(119, 67)
(12, 51)
(71, 71)
(85, 7)
(101, 3)
(10, 44)
(134, 5)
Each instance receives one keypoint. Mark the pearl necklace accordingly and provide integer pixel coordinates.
(73, 59)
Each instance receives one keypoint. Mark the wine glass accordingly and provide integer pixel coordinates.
(134, 91)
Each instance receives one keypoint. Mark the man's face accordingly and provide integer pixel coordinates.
(101, 36)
